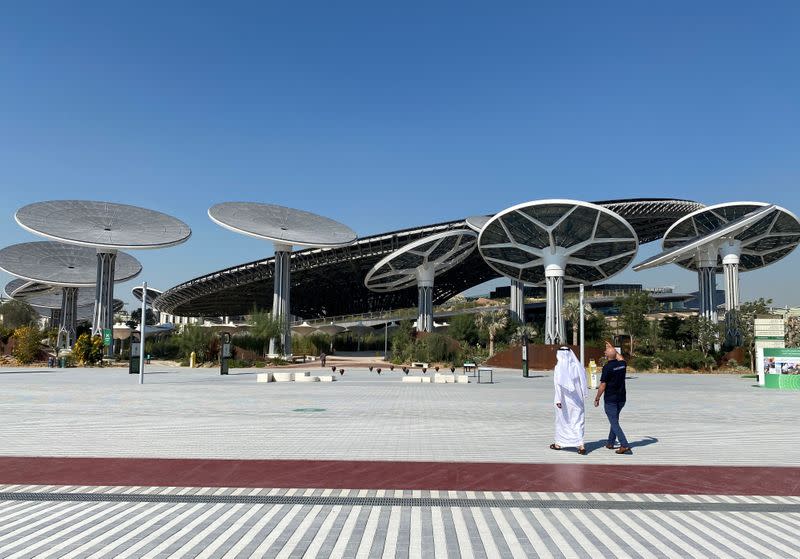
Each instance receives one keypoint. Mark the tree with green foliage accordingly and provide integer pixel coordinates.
(633, 311)
(194, 338)
(27, 344)
(571, 311)
(15, 313)
(403, 342)
(136, 317)
(463, 328)
(264, 327)
(744, 321)
(492, 322)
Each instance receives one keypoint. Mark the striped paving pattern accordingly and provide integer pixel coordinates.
(100, 522)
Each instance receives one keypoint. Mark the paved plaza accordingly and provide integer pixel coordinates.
(196, 413)
(194, 464)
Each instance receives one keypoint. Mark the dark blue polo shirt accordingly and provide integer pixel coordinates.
(614, 376)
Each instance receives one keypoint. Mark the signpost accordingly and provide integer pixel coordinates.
(133, 365)
(525, 355)
(224, 353)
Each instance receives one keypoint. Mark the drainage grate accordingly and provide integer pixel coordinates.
(309, 410)
(406, 502)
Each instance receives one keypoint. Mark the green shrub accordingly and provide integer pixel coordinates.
(167, 347)
(684, 359)
(88, 350)
(642, 363)
(27, 344)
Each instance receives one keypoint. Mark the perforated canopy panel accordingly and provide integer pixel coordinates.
(594, 242)
(102, 224)
(44, 296)
(441, 252)
(62, 264)
(280, 224)
(766, 241)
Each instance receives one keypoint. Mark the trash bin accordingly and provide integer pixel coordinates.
(62, 362)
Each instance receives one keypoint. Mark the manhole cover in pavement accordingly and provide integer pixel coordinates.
(309, 410)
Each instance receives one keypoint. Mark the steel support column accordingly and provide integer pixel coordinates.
(281, 303)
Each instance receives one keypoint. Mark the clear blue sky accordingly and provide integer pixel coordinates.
(386, 115)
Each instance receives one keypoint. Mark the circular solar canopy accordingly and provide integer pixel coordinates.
(281, 225)
(438, 253)
(45, 296)
(589, 242)
(476, 222)
(763, 241)
(152, 293)
(62, 264)
(102, 224)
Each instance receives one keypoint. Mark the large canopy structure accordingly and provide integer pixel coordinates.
(68, 267)
(553, 242)
(727, 238)
(285, 227)
(327, 282)
(108, 228)
(418, 263)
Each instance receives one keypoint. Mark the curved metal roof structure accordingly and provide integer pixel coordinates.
(61, 264)
(476, 222)
(329, 281)
(102, 224)
(280, 224)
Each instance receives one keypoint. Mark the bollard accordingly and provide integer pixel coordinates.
(192, 359)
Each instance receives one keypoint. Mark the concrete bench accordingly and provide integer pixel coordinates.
(444, 379)
(412, 379)
(305, 378)
(327, 378)
(299, 375)
(264, 377)
(419, 365)
(282, 377)
(462, 379)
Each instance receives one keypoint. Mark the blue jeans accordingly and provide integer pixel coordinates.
(613, 410)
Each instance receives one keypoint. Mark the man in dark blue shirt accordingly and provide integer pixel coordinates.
(612, 385)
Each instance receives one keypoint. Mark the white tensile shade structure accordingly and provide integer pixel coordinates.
(418, 263)
(516, 306)
(557, 242)
(68, 267)
(286, 228)
(727, 238)
(303, 329)
(107, 228)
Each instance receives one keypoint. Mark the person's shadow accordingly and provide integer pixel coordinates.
(597, 445)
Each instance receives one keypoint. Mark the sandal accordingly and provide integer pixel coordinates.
(582, 450)
(554, 446)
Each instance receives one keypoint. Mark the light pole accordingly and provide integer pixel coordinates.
(142, 322)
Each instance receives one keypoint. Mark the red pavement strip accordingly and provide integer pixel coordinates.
(457, 476)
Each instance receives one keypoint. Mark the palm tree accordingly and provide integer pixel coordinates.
(572, 314)
(263, 327)
(492, 322)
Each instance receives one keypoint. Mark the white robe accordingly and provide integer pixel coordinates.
(569, 379)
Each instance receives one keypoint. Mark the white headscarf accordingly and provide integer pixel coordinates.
(569, 373)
